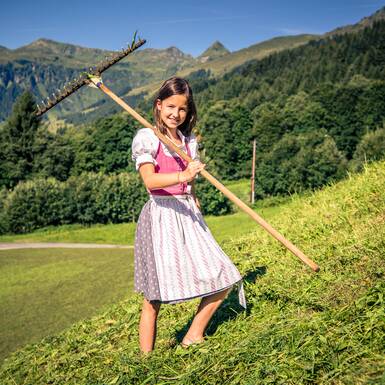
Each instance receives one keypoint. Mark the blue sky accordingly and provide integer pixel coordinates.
(189, 25)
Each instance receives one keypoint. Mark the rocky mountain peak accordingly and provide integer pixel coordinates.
(217, 49)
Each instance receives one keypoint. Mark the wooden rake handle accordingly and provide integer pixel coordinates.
(211, 179)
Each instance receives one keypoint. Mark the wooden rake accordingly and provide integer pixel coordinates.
(93, 79)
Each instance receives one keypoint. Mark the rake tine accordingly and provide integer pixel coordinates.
(82, 79)
(133, 39)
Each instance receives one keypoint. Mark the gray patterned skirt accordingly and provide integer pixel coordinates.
(176, 256)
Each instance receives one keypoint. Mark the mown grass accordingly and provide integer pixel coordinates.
(45, 291)
(300, 327)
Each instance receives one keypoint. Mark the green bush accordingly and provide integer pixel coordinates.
(86, 199)
(120, 198)
(370, 148)
(4, 225)
(34, 204)
(212, 201)
(299, 162)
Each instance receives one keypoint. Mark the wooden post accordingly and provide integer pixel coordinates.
(253, 174)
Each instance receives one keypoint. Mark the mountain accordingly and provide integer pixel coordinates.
(49, 51)
(45, 65)
(218, 66)
(217, 49)
(257, 51)
(364, 22)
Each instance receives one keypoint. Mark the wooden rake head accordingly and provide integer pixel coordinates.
(84, 77)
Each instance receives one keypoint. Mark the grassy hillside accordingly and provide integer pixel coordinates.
(222, 228)
(299, 328)
(219, 66)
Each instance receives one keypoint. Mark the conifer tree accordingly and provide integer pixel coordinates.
(17, 141)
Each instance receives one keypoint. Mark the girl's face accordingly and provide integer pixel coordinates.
(173, 110)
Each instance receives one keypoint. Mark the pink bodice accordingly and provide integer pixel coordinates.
(167, 164)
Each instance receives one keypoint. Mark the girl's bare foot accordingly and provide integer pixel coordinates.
(187, 341)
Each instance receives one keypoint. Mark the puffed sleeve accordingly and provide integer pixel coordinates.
(144, 147)
(194, 147)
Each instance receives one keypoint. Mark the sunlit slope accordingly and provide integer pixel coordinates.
(225, 63)
(300, 327)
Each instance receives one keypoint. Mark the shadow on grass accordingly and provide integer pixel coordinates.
(229, 309)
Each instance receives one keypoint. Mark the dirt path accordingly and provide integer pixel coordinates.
(45, 245)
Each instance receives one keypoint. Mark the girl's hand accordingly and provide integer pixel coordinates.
(192, 169)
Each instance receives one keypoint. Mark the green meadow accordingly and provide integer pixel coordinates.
(300, 327)
(222, 228)
(43, 291)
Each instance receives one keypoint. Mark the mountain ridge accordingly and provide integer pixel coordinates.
(45, 65)
(364, 22)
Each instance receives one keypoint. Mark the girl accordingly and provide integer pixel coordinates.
(176, 256)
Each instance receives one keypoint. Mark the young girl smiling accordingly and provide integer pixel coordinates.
(176, 256)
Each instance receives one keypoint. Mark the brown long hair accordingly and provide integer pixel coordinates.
(176, 86)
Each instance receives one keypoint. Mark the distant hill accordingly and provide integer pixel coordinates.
(222, 64)
(46, 65)
(364, 22)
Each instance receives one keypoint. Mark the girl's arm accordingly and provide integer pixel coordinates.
(194, 194)
(153, 180)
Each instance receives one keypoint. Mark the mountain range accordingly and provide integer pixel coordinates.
(46, 65)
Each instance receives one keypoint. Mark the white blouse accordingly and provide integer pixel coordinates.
(145, 145)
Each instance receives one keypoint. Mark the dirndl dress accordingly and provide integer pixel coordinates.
(176, 256)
